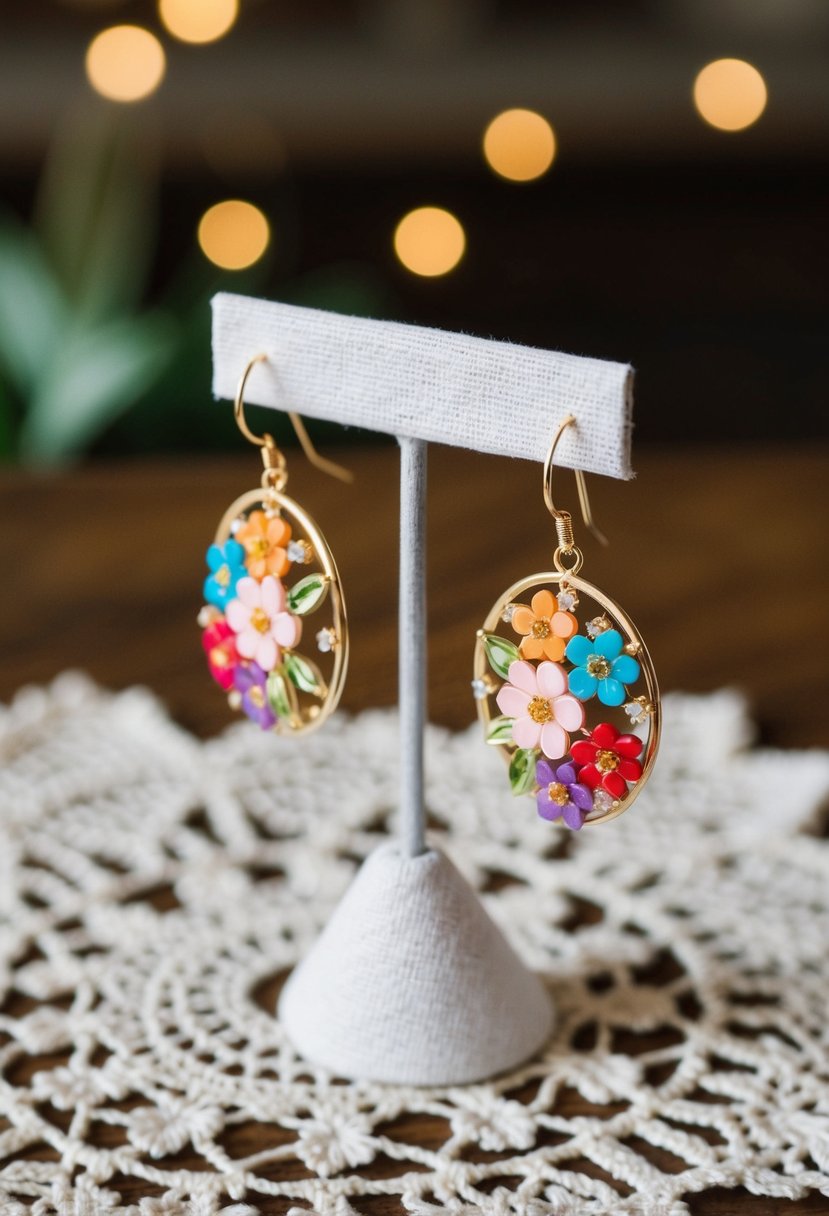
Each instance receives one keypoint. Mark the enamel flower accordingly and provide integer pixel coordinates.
(252, 683)
(219, 642)
(562, 794)
(608, 759)
(542, 709)
(265, 542)
(260, 620)
(227, 566)
(600, 667)
(545, 628)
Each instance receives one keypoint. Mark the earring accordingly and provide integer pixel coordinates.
(578, 714)
(257, 610)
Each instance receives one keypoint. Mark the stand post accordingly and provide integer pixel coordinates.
(412, 645)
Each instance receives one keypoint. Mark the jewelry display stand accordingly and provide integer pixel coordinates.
(411, 982)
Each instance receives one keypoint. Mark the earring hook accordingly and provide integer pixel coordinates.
(564, 518)
(271, 454)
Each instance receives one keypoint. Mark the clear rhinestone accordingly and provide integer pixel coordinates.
(508, 613)
(567, 600)
(234, 699)
(636, 712)
(235, 526)
(602, 801)
(326, 640)
(207, 616)
(598, 625)
(480, 689)
(299, 551)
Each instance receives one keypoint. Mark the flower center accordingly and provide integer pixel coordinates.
(540, 710)
(558, 793)
(256, 696)
(223, 576)
(606, 761)
(260, 620)
(259, 546)
(541, 629)
(599, 666)
(219, 657)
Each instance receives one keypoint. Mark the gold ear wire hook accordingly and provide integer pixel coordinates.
(564, 520)
(271, 456)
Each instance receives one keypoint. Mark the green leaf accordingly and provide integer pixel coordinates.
(500, 653)
(278, 697)
(33, 312)
(500, 730)
(522, 770)
(307, 594)
(96, 208)
(304, 674)
(94, 375)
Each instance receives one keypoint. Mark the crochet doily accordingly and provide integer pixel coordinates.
(154, 888)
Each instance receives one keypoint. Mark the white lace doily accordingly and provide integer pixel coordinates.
(153, 886)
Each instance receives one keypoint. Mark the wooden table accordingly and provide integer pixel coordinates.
(718, 555)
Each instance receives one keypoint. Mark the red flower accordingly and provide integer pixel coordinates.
(609, 759)
(219, 642)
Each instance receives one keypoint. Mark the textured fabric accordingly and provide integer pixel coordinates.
(412, 982)
(421, 383)
(152, 886)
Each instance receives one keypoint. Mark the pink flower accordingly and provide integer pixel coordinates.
(542, 709)
(259, 619)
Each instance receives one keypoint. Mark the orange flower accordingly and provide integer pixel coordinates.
(265, 542)
(545, 628)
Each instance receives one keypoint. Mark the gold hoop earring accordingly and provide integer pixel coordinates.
(578, 715)
(257, 611)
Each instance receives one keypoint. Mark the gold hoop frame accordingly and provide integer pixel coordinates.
(633, 643)
(305, 716)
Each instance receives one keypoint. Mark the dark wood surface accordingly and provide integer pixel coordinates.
(719, 557)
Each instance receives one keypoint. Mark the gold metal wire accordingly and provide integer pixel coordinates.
(563, 519)
(275, 475)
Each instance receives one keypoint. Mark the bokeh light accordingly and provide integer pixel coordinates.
(429, 241)
(233, 234)
(198, 20)
(730, 94)
(125, 63)
(519, 145)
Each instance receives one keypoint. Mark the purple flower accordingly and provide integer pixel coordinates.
(562, 795)
(251, 681)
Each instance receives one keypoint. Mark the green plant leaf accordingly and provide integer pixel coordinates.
(93, 376)
(522, 770)
(278, 697)
(96, 209)
(307, 594)
(500, 653)
(304, 674)
(500, 730)
(33, 312)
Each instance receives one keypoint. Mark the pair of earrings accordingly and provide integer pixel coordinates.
(576, 713)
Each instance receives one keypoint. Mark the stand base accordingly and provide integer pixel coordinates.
(412, 983)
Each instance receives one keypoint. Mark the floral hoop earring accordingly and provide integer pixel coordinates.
(257, 611)
(578, 714)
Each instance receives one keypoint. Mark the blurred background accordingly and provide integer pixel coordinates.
(642, 181)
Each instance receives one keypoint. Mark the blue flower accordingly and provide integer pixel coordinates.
(226, 563)
(601, 667)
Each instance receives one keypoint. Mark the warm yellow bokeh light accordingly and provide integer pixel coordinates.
(198, 20)
(519, 145)
(233, 234)
(125, 63)
(730, 94)
(429, 241)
